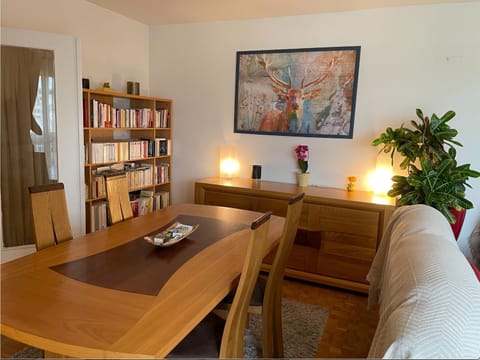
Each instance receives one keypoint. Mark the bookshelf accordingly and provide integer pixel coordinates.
(131, 134)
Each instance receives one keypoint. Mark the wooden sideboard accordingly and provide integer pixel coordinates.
(339, 231)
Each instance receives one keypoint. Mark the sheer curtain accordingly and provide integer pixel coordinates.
(45, 145)
(20, 166)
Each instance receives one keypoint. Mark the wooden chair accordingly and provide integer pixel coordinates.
(267, 296)
(118, 198)
(272, 340)
(51, 223)
(215, 337)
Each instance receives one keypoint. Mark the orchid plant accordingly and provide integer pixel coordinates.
(302, 157)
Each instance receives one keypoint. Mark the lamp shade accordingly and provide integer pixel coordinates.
(229, 165)
(380, 181)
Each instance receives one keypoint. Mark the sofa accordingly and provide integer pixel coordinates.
(427, 294)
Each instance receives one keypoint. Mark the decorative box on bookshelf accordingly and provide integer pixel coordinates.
(131, 134)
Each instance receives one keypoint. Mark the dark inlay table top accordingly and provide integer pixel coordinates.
(143, 268)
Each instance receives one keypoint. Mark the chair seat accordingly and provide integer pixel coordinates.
(203, 341)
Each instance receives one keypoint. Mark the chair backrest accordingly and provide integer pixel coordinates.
(117, 197)
(272, 328)
(292, 220)
(233, 333)
(51, 223)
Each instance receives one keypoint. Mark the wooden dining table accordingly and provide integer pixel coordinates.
(112, 294)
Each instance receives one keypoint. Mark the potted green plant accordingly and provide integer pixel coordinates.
(433, 175)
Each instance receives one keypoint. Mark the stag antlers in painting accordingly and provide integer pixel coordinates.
(291, 118)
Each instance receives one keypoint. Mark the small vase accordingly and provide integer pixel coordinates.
(302, 179)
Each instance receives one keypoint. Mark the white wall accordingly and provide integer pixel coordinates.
(424, 56)
(114, 48)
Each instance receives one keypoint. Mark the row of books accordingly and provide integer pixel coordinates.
(98, 187)
(104, 152)
(143, 203)
(138, 175)
(162, 173)
(147, 201)
(106, 116)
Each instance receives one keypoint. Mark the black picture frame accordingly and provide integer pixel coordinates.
(308, 92)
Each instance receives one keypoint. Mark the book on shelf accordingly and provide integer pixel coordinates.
(161, 173)
(134, 205)
(143, 205)
(85, 113)
(98, 187)
(147, 194)
(162, 147)
(150, 147)
(162, 118)
(117, 168)
(162, 200)
(98, 216)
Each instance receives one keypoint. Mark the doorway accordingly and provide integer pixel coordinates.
(67, 89)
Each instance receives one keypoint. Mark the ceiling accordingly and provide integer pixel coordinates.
(162, 12)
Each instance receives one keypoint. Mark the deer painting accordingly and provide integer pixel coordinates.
(297, 92)
(287, 116)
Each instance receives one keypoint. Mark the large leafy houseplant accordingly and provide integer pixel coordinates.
(433, 176)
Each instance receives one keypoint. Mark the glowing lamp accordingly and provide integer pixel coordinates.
(229, 164)
(380, 181)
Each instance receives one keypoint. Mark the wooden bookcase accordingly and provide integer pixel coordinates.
(339, 231)
(130, 133)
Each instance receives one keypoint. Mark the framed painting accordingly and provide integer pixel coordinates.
(297, 92)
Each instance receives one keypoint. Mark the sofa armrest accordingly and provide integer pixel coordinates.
(429, 297)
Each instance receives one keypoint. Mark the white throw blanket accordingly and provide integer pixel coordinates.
(429, 296)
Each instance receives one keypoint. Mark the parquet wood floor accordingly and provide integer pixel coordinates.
(349, 330)
(10, 347)
(350, 326)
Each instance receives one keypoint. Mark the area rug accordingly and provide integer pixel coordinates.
(303, 326)
(28, 352)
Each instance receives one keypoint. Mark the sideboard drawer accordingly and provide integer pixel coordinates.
(229, 200)
(342, 267)
(343, 220)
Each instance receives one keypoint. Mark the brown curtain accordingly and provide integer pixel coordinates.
(20, 71)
